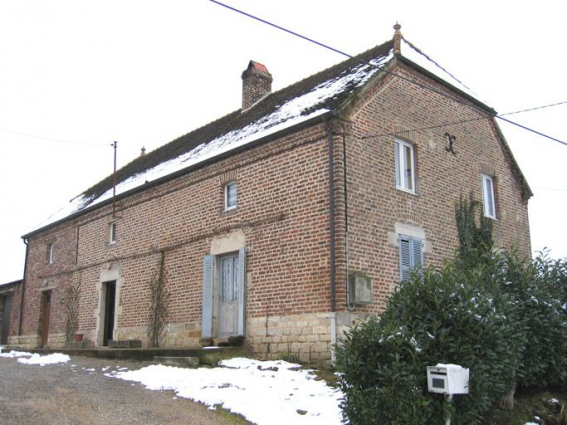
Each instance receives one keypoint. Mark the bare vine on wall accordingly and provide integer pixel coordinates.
(159, 305)
(72, 308)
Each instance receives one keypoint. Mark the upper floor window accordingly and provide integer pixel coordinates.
(405, 166)
(112, 233)
(488, 202)
(50, 253)
(230, 196)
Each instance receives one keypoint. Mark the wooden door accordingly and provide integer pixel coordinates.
(228, 295)
(6, 311)
(109, 311)
(45, 317)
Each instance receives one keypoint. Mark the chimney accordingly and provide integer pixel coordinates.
(256, 84)
(398, 39)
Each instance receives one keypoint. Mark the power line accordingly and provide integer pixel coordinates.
(73, 142)
(447, 124)
(424, 86)
(500, 116)
(532, 130)
(555, 189)
(534, 109)
(340, 52)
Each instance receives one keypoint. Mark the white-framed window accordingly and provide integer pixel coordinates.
(230, 196)
(112, 233)
(488, 202)
(405, 166)
(50, 253)
(411, 254)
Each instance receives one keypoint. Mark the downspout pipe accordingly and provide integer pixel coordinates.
(23, 289)
(332, 243)
(331, 218)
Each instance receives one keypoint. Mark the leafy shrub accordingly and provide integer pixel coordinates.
(538, 289)
(445, 315)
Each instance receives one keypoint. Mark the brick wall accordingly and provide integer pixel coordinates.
(377, 210)
(282, 217)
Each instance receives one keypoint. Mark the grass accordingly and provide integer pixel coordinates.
(232, 418)
(533, 406)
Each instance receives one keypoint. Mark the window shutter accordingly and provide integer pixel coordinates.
(207, 321)
(241, 290)
(417, 252)
(405, 257)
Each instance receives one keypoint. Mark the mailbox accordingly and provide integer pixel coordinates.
(448, 379)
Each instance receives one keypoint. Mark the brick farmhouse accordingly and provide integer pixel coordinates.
(281, 222)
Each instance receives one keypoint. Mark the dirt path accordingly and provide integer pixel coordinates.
(74, 394)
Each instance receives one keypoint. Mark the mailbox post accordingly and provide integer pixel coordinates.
(448, 379)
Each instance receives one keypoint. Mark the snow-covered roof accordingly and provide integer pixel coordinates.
(307, 99)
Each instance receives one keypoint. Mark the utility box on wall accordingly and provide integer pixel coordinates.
(448, 379)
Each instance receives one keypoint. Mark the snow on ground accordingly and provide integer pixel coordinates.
(36, 359)
(14, 354)
(54, 358)
(265, 393)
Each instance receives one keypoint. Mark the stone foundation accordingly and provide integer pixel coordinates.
(306, 337)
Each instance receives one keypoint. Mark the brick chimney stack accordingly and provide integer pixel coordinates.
(256, 84)
(397, 39)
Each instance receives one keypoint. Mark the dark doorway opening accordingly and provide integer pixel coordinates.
(45, 317)
(6, 304)
(109, 312)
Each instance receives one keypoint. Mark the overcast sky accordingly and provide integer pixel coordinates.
(77, 75)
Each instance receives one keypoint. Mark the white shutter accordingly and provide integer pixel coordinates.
(207, 320)
(241, 291)
(405, 257)
(417, 248)
(411, 255)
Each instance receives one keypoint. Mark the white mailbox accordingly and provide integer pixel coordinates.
(448, 379)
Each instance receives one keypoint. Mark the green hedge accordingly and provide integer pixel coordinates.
(504, 319)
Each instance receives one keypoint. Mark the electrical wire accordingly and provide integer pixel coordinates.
(424, 86)
(499, 116)
(555, 189)
(534, 109)
(73, 142)
(362, 61)
(539, 133)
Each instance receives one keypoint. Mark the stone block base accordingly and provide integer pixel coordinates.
(131, 343)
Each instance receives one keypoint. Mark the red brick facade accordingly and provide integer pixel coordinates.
(282, 220)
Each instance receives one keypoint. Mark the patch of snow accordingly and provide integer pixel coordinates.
(288, 396)
(291, 113)
(45, 360)
(14, 354)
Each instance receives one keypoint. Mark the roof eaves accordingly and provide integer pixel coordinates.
(516, 170)
(299, 126)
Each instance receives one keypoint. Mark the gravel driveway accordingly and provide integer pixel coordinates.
(72, 393)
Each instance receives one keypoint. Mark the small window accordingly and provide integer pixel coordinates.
(112, 233)
(411, 255)
(50, 254)
(488, 202)
(405, 166)
(230, 196)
